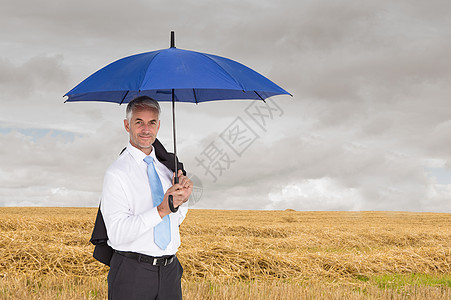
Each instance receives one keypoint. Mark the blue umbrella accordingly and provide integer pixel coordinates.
(174, 75)
(186, 76)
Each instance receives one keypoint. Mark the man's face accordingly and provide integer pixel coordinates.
(143, 128)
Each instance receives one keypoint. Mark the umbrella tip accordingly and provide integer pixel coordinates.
(172, 39)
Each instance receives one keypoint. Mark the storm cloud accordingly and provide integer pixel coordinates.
(367, 127)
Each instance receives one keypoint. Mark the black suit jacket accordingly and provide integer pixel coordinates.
(99, 237)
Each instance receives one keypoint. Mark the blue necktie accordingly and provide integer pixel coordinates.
(162, 232)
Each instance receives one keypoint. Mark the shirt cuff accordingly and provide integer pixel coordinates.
(151, 218)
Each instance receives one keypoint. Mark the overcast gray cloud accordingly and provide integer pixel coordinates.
(367, 129)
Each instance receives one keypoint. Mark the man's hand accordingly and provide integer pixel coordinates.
(180, 194)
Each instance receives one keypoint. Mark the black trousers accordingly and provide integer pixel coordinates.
(129, 279)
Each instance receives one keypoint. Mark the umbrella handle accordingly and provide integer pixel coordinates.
(171, 204)
(171, 200)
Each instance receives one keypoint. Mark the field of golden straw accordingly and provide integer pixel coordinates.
(45, 254)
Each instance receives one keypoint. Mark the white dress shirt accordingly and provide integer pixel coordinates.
(127, 206)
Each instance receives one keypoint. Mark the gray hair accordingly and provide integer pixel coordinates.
(142, 102)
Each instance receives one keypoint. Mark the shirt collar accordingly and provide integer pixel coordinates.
(138, 155)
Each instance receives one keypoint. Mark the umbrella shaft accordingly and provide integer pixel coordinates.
(176, 179)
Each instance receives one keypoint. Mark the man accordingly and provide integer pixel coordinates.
(140, 226)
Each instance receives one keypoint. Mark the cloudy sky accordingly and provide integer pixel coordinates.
(368, 126)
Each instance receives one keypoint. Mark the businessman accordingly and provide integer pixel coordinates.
(142, 230)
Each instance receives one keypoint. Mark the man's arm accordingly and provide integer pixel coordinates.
(123, 226)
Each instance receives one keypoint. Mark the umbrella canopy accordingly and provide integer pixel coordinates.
(192, 76)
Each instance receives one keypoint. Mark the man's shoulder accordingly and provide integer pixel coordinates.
(122, 163)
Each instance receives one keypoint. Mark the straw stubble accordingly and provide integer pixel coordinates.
(44, 251)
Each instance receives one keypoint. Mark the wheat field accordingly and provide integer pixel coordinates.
(45, 254)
